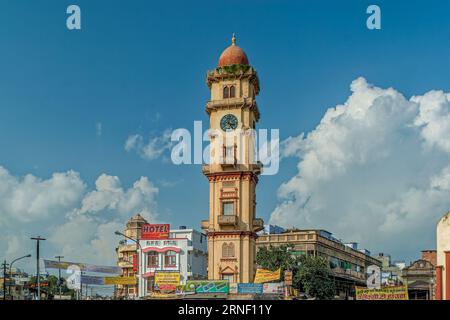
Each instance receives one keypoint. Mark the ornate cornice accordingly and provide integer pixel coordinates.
(231, 234)
(232, 176)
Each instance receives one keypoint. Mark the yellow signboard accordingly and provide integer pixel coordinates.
(263, 275)
(120, 280)
(163, 279)
(386, 293)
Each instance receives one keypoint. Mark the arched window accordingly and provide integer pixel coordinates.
(170, 259)
(228, 250)
(232, 92)
(226, 92)
(152, 259)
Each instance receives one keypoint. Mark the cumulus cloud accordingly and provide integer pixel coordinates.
(152, 149)
(374, 170)
(78, 223)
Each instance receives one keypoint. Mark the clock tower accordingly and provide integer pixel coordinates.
(232, 171)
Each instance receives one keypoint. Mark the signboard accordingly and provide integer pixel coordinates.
(41, 284)
(185, 289)
(263, 275)
(92, 280)
(167, 281)
(273, 288)
(155, 231)
(135, 263)
(51, 264)
(386, 293)
(209, 286)
(233, 287)
(250, 288)
(120, 280)
(288, 278)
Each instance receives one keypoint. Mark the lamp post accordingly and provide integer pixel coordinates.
(4, 265)
(59, 274)
(138, 245)
(10, 270)
(38, 239)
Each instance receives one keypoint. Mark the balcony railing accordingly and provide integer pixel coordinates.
(205, 224)
(225, 220)
(258, 224)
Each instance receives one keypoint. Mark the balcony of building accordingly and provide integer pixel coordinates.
(227, 220)
(258, 224)
(126, 247)
(204, 224)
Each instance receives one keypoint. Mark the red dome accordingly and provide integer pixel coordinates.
(233, 55)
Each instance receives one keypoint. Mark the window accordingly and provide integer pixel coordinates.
(232, 92)
(228, 250)
(226, 92)
(228, 208)
(170, 259)
(152, 259)
(228, 276)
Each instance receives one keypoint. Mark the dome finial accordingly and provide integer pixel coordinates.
(233, 39)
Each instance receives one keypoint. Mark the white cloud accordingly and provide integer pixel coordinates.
(375, 170)
(153, 149)
(30, 198)
(78, 223)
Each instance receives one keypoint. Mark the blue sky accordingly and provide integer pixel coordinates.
(138, 67)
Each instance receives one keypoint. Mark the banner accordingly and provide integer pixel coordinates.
(209, 286)
(155, 231)
(167, 281)
(273, 288)
(250, 288)
(263, 275)
(185, 289)
(92, 280)
(51, 264)
(120, 280)
(386, 293)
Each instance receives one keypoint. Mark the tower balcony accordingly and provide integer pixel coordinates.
(204, 224)
(225, 220)
(258, 224)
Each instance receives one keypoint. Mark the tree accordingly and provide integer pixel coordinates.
(314, 275)
(311, 274)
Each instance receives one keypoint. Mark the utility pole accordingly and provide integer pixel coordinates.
(59, 274)
(4, 265)
(38, 239)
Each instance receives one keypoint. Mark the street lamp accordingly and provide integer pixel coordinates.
(59, 273)
(38, 239)
(137, 256)
(10, 270)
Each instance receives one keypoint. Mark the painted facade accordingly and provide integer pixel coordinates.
(185, 251)
(232, 223)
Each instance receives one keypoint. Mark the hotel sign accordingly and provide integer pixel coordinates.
(155, 231)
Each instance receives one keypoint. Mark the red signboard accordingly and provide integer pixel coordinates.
(155, 231)
(135, 263)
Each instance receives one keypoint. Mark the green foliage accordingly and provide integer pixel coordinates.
(314, 275)
(234, 68)
(311, 275)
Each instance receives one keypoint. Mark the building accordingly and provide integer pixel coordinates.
(184, 251)
(419, 277)
(430, 256)
(443, 258)
(348, 265)
(391, 272)
(232, 171)
(271, 229)
(126, 255)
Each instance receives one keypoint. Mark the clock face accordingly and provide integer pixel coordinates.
(228, 122)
